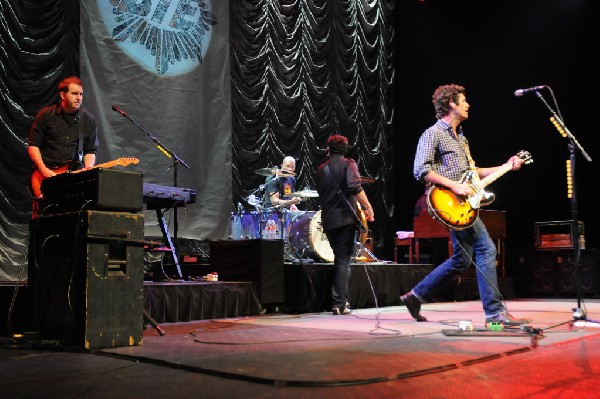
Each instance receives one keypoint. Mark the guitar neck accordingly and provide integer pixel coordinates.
(109, 164)
(492, 177)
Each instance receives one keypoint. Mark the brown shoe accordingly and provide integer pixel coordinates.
(413, 305)
(507, 320)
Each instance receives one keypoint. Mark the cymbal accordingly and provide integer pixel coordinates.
(303, 194)
(274, 171)
(367, 180)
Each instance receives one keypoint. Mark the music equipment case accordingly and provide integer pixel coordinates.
(86, 278)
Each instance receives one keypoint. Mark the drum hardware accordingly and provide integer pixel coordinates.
(362, 252)
(274, 171)
(253, 200)
(306, 193)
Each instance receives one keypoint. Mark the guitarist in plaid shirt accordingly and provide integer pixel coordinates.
(442, 157)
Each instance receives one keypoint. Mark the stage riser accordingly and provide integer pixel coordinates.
(187, 301)
(258, 261)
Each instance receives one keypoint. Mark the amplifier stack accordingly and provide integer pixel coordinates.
(86, 260)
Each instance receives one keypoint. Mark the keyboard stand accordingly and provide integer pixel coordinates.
(165, 232)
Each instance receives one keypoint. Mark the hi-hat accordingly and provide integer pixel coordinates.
(367, 180)
(274, 171)
(303, 194)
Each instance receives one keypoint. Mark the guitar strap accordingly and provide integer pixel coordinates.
(80, 145)
(341, 195)
(469, 158)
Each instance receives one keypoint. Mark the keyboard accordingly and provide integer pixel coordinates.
(156, 196)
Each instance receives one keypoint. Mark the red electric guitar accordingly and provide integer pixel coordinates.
(37, 177)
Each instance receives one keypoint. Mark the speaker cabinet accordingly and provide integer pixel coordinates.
(259, 261)
(554, 272)
(86, 278)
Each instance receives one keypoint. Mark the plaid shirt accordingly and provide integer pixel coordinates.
(440, 151)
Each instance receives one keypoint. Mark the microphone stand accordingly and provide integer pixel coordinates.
(176, 162)
(578, 312)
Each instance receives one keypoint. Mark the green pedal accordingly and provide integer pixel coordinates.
(495, 326)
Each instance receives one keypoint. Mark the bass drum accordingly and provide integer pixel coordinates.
(308, 239)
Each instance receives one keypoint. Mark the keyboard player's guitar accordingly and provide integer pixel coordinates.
(37, 177)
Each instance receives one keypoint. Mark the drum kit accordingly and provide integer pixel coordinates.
(301, 231)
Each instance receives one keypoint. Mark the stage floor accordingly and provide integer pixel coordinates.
(372, 353)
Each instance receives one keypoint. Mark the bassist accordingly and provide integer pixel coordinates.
(441, 159)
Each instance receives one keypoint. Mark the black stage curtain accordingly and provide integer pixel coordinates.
(40, 46)
(304, 71)
(299, 73)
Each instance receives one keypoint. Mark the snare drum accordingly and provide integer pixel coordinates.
(245, 225)
(308, 238)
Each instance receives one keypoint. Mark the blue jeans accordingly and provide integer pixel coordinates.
(342, 241)
(472, 243)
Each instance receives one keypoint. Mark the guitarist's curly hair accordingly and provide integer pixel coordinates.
(442, 97)
(337, 144)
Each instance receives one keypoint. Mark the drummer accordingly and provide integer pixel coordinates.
(280, 185)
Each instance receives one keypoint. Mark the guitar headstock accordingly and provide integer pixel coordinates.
(124, 161)
(525, 156)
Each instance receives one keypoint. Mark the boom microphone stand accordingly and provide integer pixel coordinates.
(176, 162)
(578, 312)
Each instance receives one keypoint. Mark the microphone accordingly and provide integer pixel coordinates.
(119, 110)
(520, 92)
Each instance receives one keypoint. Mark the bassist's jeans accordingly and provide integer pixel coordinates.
(342, 240)
(472, 243)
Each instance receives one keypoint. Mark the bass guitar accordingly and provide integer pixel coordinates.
(37, 177)
(363, 227)
(458, 212)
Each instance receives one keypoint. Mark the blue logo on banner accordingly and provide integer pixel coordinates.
(169, 37)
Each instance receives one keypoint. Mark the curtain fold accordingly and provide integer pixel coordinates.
(302, 71)
(277, 78)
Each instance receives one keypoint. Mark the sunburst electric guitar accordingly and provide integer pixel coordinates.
(458, 212)
(37, 177)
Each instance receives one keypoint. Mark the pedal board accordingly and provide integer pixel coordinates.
(485, 333)
(534, 334)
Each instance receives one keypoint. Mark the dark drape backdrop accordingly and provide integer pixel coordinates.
(493, 49)
(165, 63)
(40, 45)
(306, 70)
(300, 72)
